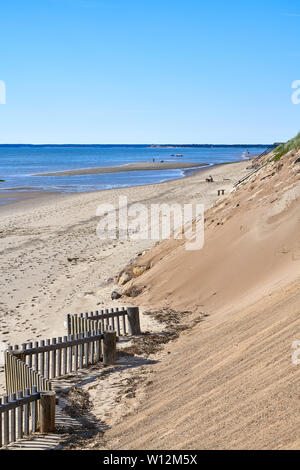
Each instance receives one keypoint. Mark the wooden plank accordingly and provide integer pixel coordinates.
(76, 354)
(53, 360)
(70, 352)
(0, 424)
(30, 357)
(26, 414)
(21, 375)
(5, 423)
(124, 323)
(36, 358)
(102, 321)
(98, 348)
(133, 317)
(13, 420)
(107, 320)
(76, 324)
(59, 354)
(112, 319)
(72, 332)
(42, 358)
(81, 323)
(86, 351)
(47, 412)
(65, 351)
(47, 360)
(124, 312)
(34, 411)
(20, 416)
(69, 324)
(109, 347)
(8, 372)
(118, 323)
(80, 352)
(93, 348)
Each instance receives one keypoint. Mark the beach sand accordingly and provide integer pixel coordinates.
(140, 166)
(23, 199)
(38, 235)
(227, 380)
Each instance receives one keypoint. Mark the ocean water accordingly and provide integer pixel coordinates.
(19, 164)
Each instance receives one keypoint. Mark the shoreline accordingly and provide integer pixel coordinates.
(141, 166)
(23, 198)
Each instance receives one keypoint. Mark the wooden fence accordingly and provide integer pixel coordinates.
(20, 377)
(124, 321)
(29, 404)
(18, 415)
(24, 413)
(255, 170)
(61, 356)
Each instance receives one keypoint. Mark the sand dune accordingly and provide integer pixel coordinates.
(230, 381)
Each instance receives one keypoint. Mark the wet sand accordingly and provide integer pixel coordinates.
(20, 200)
(130, 167)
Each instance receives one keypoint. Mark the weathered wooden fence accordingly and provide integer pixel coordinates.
(63, 355)
(29, 404)
(124, 321)
(24, 413)
(15, 413)
(19, 376)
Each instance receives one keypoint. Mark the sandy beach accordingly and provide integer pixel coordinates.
(149, 230)
(226, 380)
(142, 166)
(38, 235)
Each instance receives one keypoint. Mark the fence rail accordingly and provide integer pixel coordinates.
(265, 152)
(18, 415)
(124, 321)
(63, 355)
(255, 167)
(30, 403)
(19, 376)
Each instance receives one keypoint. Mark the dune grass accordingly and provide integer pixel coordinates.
(285, 148)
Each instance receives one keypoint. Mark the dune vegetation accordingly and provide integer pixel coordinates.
(283, 149)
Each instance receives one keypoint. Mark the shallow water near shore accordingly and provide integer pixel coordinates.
(19, 164)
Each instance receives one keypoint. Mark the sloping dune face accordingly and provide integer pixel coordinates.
(252, 242)
(230, 382)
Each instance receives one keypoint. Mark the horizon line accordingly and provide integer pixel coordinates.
(131, 144)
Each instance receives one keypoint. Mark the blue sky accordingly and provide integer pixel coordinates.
(133, 71)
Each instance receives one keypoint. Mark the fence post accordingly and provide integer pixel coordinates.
(133, 316)
(69, 324)
(109, 347)
(19, 354)
(47, 412)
